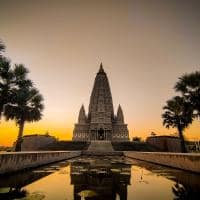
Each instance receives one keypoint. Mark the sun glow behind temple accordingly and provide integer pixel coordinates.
(144, 47)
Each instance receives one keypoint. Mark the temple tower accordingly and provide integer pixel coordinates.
(101, 123)
(82, 119)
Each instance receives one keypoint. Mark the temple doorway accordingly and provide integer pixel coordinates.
(100, 135)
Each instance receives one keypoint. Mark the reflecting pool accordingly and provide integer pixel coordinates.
(96, 178)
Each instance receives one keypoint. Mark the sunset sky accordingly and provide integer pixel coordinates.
(144, 45)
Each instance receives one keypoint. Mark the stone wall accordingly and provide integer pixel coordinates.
(133, 146)
(165, 143)
(185, 161)
(11, 162)
(36, 142)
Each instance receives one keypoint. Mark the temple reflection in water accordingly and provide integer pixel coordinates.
(96, 178)
(100, 179)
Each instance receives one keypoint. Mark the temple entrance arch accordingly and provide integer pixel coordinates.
(100, 134)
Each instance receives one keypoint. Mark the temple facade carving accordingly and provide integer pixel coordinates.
(101, 123)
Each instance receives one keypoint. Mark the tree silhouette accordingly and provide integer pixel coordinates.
(178, 114)
(27, 103)
(6, 80)
(19, 100)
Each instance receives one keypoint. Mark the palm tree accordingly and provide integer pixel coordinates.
(26, 104)
(189, 86)
(26, 108)
(177, 115)
(19, 100)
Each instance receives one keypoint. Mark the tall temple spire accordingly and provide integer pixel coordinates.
(82, 116)
(120, 115)
(101, 104)
(101, 70)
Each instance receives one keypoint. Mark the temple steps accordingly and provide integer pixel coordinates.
(102, 153)
(102, 146)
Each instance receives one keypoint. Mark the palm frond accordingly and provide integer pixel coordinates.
(27, 106)
(189, 86)
(177, 113)
(2, 47)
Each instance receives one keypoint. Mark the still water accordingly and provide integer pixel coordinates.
(96, 178)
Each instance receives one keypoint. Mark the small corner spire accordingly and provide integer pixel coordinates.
(120, 115)
(82, 107)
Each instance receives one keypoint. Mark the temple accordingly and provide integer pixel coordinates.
(101, 123)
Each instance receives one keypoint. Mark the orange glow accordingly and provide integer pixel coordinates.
(9, 131)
